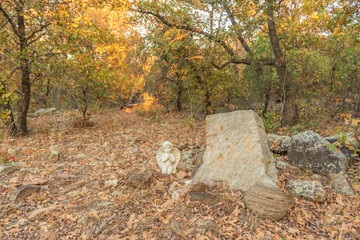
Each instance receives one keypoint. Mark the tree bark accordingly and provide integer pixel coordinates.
(179, 95)
(25, 69)
(289, 112)
(5, 108)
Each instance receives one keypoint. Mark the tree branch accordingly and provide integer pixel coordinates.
(8, 18)
(187, 27)
(234, 23)
(234, 61)
(35, 39)
(42, 27)
(245, 61)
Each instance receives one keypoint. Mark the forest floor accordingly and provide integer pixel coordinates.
(75, 203)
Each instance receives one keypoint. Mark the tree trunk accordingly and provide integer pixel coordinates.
(5, 109)
(58, 94)
(289, 112)
(179, 96)
(267, 101)
(25, 70)
(47, 94)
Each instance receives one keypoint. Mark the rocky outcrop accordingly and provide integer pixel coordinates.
(267, 201)
(340, 184)
(22, 192)
(278, 144)
(309, 190)
(237, 151)
(348, 143)
(139, 177)
(309, 150)
(42, 111)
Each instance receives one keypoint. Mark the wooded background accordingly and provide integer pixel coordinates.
(293, 61)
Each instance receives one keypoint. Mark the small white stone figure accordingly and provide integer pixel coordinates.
(168, 157)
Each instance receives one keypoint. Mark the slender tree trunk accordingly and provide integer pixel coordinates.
(179, 95)
(25, 70)
(267, 101)
(207, 101)
(289, 113)
(48, 85)
(58, 94)
(5, 108)
(85, 100)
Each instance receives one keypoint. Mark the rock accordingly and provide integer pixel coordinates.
(180, 194)
(168, 157)
(80, 155)
(43, 111)
(204, 197)
(340, 184)
(309, 150)
(39, 212)
(267, 201)
(22, 192)
(173, 187)
(10, 167)
(185, 167)
(200, 187)
(349, 142)
(188, 155)
(283, 165)
(13, 151)
(331, 139)
(278, 144)
(208, 226)
(237, 151)
(309, 190)
(139, 177)
(160, 187)
(182, 174)
(111, 183)
(54, 155)
(318, 177)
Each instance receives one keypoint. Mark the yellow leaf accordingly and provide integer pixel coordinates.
(94, 213)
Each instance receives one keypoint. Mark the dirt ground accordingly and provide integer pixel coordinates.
(73, 199)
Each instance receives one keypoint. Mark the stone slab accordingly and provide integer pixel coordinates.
(237, 151)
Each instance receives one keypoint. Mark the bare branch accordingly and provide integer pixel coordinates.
(187, 27)
(238, 35)
(234, 61)
(10, 21)
(245, 61)
(35, 39)
(42, 27)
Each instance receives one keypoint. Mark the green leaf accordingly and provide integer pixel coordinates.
(332, 147)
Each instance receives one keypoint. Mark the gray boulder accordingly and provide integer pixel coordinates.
(42, 111)
(311, 151)
(309, 190)
(340, 184)
(9, 167)
(278, 144)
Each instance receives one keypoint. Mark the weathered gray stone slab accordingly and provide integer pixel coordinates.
(340, 184)
(311, 151)
(237, 151)
(309, 190)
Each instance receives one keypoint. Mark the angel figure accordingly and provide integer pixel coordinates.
(168, 157)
